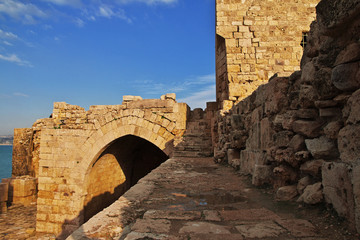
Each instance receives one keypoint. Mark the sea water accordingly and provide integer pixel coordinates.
(5, 161)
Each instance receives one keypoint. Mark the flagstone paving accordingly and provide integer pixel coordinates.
(194, 198)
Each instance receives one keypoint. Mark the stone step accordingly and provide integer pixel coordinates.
(193, 154)
(198, 148)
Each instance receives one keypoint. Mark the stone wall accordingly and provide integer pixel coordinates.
(22, 152)
(255, 40)
(300, 134)
(64, 152)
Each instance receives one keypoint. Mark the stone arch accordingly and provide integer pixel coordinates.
(120, 166)
(156, 132)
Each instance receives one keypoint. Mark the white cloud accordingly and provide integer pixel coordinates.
(7, 43)
(15, 59)
(200, 80)
(25, 12)
(195, 90)
(79, 22)
(7, 35)
(19, 94)
(108, 11)
(199, 99)
(149, 2)
(71, 3)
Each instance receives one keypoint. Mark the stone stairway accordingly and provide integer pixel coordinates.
(196, 142)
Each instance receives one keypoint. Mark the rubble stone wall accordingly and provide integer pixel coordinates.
(22, 152)
(301, 134)
(255, 40)
(65, 147)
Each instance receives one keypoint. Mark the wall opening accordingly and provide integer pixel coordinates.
(304, 39)
(120, 166)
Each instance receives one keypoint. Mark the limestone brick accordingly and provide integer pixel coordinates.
(247, 25)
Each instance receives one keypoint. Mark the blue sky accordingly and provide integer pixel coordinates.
(92, 52)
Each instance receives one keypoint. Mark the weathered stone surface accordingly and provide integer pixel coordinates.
(302, 156)
(297, 143)
(262, 175)
(138, 236)
(312, 167)
(299, 227)
(22, 161)
(349, 143)
(285, 120)
(282, 139)
(322, 148)
(260, 230)
(260, 136)
(170, 215)
(232, 154)
(308, 73)
(286, 193)
(338, 188)
(248, 160)
(303, 183)
(203, 228)
(323, 83)
(307, 128)
(307, 96)
(129, 98)
(332, 129)
(4, 192)
(312, 194)
(307, 113)
(330, 112)
(354, 108)
(284, 174)
(253, 214)
(346, 77)
(23, 190)
(238, 138)
(237, 121)
(326, 103)
(350, 54)
(286, 155)
(211, 216)
(355, 179)
(171, 96)
(152, 226)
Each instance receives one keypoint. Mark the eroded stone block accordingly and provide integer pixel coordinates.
(338, 188)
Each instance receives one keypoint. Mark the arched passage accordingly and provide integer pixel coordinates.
(118, 167)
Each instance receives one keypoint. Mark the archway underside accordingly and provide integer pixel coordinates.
(120, 166)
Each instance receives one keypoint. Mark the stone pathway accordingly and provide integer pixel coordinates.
(19, 223)
(197, 199)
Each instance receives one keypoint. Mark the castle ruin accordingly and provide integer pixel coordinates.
(297, 132)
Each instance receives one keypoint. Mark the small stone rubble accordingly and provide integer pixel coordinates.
(194, 198)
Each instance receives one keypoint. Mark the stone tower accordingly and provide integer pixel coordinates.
(256, 39)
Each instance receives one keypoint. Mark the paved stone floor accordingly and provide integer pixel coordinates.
(197, 199)
(19, 223)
